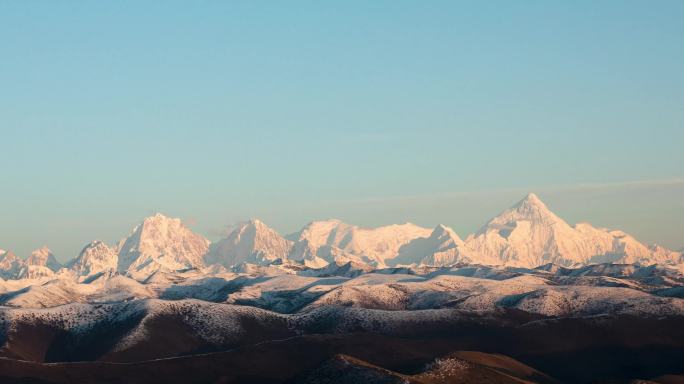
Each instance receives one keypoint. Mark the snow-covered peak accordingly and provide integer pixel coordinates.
(531, 206)
(159, 217)
(159, 223)
(532, 199)
(256, 223)
(441, 231)
(253, 227)
(319, 233)
(529, 235)
(372, 245)
(43, 257)
(250, 242)
(10, 265)
(442, 247)
(531, 209)
(161, 242)
(96, 257)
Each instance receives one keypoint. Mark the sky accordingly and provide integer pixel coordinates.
(374, 112)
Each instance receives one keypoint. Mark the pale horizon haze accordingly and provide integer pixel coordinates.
(371, 112)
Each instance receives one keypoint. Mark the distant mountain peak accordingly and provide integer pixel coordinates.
(528, 234)
(44, 250)
(162, 242)
(44, 257)
(442, 247)
(532, 197)
(256, 223)
(529, 203)
(442, 230)
(530, 208)
(8, 255)
(10, 265)
(159, 218)
(251, 241)
(96, 257)
(92, 244)
(332, 238)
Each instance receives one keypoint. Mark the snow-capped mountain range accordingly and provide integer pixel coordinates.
(526, 235)
(165, 292)
(163, 244)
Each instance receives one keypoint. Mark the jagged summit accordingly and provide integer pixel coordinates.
(45, 258)
(531, 204)
(251, 242)
(529, 208)
(41, 263)
(10, 265)
(533, 199)
(442, 247)
(158, 216)
(529, 234)
(256, 223)
(96, 257)
(161, 243)
(93, 243)
(442, 230)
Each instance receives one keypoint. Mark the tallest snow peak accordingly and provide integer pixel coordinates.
(531, 200)
(532, 197)
(531, 208)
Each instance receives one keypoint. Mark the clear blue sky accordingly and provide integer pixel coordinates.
(370, 111)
